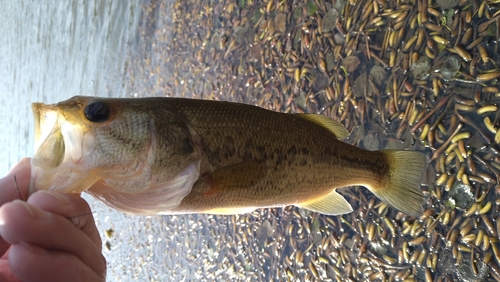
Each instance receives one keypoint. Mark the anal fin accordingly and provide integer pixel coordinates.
(331, 204)
(230, 211)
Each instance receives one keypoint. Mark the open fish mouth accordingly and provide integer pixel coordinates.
(59, 146)
(49, 141)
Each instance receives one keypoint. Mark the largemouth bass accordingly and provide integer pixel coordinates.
(175, 155)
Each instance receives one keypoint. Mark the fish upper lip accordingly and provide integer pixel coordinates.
(35, 107)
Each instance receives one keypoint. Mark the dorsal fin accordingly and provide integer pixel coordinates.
(334, 126)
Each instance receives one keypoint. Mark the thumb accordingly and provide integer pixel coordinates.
(17, 178)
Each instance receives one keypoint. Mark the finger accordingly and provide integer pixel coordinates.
(73, 207)
(22, 172)
(32, 263)
(20, 222)
(8, 189)
(4, 246)
(6, 274)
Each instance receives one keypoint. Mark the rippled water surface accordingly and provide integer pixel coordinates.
(51, 51)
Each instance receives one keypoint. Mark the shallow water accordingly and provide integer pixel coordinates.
(205, 49)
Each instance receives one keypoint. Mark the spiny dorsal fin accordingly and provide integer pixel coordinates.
(336, 127)
(331, 204)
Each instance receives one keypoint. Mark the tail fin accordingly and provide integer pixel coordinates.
(401, 188)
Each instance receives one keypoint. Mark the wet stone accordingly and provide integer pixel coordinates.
(450, 66)
(330, 19)
(461, 196)
(420, 69)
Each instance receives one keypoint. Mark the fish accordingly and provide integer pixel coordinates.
(162, 155)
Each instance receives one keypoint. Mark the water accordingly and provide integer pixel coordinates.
(51, 51)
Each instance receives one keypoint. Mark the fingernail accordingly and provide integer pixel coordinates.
(61, 197)
(34, 212)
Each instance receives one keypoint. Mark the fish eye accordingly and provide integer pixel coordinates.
(97, 111)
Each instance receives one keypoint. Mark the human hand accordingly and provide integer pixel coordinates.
(51, 237)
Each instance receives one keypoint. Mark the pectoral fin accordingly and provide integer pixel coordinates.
(240, 176)
(331, 204)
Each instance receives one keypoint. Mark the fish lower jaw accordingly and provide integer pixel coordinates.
(61, 179)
